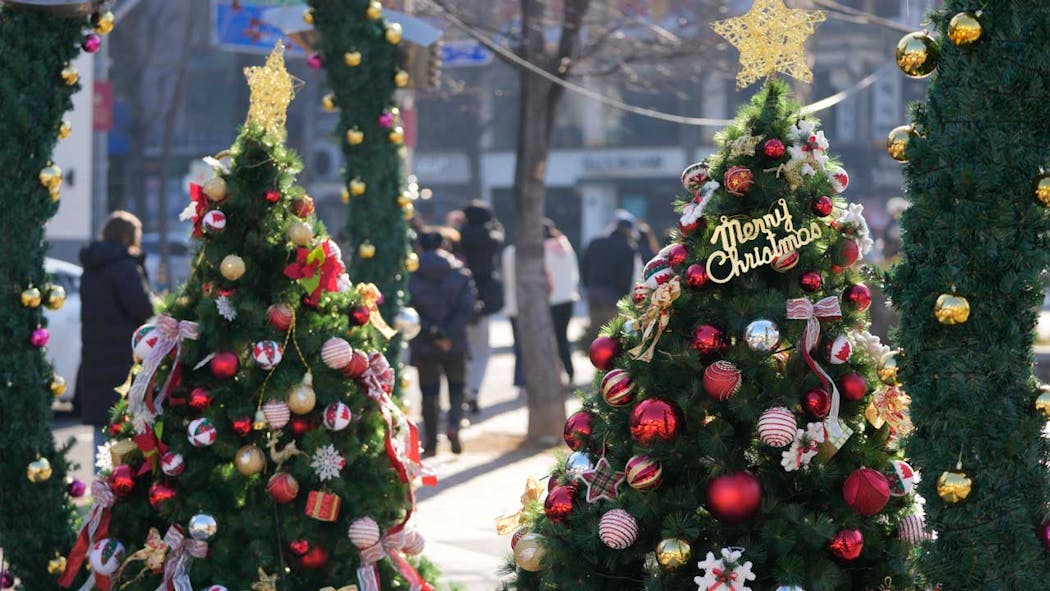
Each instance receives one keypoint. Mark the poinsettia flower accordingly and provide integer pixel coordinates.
(316, 270)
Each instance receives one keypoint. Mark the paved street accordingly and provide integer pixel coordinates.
(457, 517)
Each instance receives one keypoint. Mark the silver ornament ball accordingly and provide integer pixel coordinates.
(628, 329)
(762, 336)
(203, 526)
(576, 464)
(406, 322)
(790, 588)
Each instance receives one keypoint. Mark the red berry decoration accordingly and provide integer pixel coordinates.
(655, 419)
(159, 495)
(242, 426)
(738, 180)
(816, 403)
(199, 399)
(578, 429)
(734, 498)
(315, 558)
(866, 490)
(559, 503)
(858, 297)
(853, 386)
(677, 253)
(273, 196)
(603, 352)
(696, 276)
(811, 281)
(121, 480)
(721, 380)
(846, 544)
(224, 365)
(823, 206)
(299, 547)
(300, 426)
(709, 341)
(773, 148)
(359, 316)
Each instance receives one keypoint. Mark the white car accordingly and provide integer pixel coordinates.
(63, 349)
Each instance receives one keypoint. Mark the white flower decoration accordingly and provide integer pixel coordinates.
(344, 283)
(103, 460)
(725, 573)
(804, 448)
(853, 218)
(868, 344)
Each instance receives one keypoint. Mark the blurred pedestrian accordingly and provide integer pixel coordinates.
(114, 301)
(481, 238)
(510, 308)
(563, 277)
(648, 245)
(609, 267)
(442, 291)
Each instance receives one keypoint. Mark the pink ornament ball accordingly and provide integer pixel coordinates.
(277, 413)
(618, 388)
(92, 43)
(336, 353)
(777, 427)
(364, 532)
(201, 432)
(337, 416)
(76, 488)
(314, 62)
(386, 119)
(39, 338)
(912, 529)
(617, 529)
(172, 464)
(721, 380)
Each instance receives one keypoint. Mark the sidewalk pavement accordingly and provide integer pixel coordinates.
(457, 517)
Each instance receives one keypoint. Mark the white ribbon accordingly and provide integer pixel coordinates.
(828, 309)
(171, 333)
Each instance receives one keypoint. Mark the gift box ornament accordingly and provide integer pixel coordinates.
(833, 440)
(323, 506)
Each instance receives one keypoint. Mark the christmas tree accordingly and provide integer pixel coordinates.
(972, 279)
(740, 438)
(263, 376)
(37, 82)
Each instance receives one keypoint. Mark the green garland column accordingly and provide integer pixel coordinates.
(362, 56)
(977, 231)
(36, 86)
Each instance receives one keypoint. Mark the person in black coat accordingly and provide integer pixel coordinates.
(607, 270)
(114, 301)
(443, 294)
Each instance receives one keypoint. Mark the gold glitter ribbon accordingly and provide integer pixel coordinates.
(890, 406)
(508, 523)
(370, 295)
(656, 318)
(152, 553)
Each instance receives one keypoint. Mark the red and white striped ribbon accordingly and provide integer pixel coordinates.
(825, 309)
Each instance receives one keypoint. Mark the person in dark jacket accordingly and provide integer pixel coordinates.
(114, 301)
(443, 294)
(480, 241)
(609, 267)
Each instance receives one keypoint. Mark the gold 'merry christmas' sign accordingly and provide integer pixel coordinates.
(746, 244)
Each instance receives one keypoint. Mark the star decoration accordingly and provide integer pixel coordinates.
(602, 482)
(272, 90)
(771, 39)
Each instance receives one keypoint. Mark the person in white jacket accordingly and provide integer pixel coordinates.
(563, 279)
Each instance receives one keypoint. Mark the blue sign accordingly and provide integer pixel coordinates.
(242, 28)
(461, 54)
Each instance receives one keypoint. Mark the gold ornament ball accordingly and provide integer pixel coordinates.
(352, 58)
(397, 136)
(964, 29)
(393, 33)
(367, 250)
(408, 211)
(104, 22)
(56, 297)
(64, 129)
(56, 566)
(328, 102)
(300, 233)
(215, 188)
(1042, 188)
(55, 195)
(918, 55)
(357, 187)
(232, 267)
(302, 399)
(374, 10)
(951, 309)
(401, 79)
(954, 486)
(1042, 403)
(39, 470)
(58, 386)
(897, 142)
(344, 195)
(51, 177)
(31, 297)
(412, 262)
(354, 136)
(673, 553)
(70, 75)
(308, 16)
(888, 368)
(249, 460)
(530, 551)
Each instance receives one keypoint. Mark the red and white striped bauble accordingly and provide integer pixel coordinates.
(721, 380)
(912, 529)
(216, 588)
(267, 354)
(214, 221)
(280, 316)
(839, 178)
(201, 432)
(518, 534)
(657, 272)
(777, 427)
(364, 532)
(903, 480)
(172, 463)
(617, 529)
(337, 416)
(839, 350)
(357, 365)
(640, 294)
(644, 473)
(618, 388)
(276, 413)
(785, 262)
(414, 543)
(336, 353)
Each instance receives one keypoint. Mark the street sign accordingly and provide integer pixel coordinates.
(240, 27)
(464, 54)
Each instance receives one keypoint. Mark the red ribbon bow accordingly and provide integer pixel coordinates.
(722, 578)
(96, 527)
(176, 567)
(389, 546)
(825, 309)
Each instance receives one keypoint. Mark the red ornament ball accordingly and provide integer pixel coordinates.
(738, 180)
(279, 316)
(578, 429)
(603, 352)
(696, 276)
(315, 558)
(858, 297)
(846, 544)
(644, 473)
(122, 480)
(866, 490)
(559, 503)
(811, 281)
(359, 315)
(816, 403)
(677, 253)
(721, 380)
(853, 386)
(116, 428)
(242, 426)
(847, 253)
(773, 148)
(299, 547)
(282, 488)
(655, 419)
(199, 399)
(224, 365)
(823, 206)
(618, 388)
(709, 341)
(273, 196)
(690, 228)
(159, 495)
(735, 497)
(303, 206)
(357, 366)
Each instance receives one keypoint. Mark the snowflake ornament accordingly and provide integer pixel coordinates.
(804, 448)
(852, 222)
(226, 309)
(725, 573)
(327, 462)
(103, 460)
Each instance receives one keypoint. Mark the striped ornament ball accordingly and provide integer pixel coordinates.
(617, 529)
(777, 427)
(644, 473)
(618, 388)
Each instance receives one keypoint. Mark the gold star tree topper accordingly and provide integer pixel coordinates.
(272, 90)
(771, 39)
